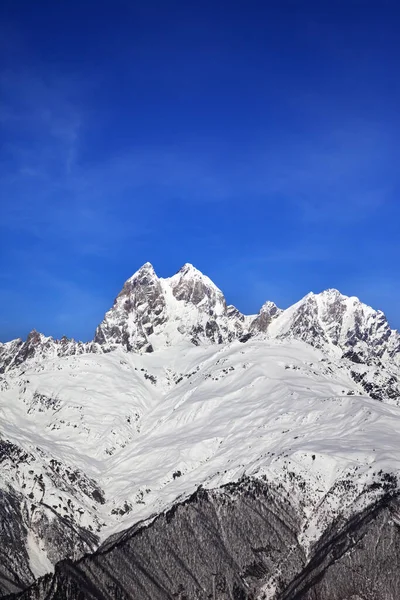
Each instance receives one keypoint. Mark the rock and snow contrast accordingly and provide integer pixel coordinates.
(150, 313)
(190, 451)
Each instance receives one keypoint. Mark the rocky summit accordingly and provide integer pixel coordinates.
(191, 451)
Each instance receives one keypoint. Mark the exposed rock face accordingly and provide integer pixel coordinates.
(217, 544)
(330, 319)
(39, 347)
(357, 559)
(180, 419)
(239, 542)
(346, 328)
(22, 520)
(138, 310)
(269, 311)
(15, 572)
(29, 525)
(8, 352)
(191, 286)
(213, 320)
(151, 312)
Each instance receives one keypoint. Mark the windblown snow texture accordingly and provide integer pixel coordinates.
(211, 446)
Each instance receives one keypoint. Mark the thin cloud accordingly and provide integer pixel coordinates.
(332, 176)
(42, 123)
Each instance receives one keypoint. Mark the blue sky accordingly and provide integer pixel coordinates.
(256, 140)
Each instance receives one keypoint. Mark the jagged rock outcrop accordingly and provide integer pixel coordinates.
(39, 347)
(8, 352)
(138, 310)
(346, 328)
(169, 403)
(331, 320)
(151, 312)
(268, 312)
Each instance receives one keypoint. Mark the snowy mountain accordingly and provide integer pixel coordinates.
(345, 328)
(183, 406)
(38, 347)
(261, 322)
(337, 323)
(151, 312)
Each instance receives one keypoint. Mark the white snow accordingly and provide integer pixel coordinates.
(39, 562)
(151, 428)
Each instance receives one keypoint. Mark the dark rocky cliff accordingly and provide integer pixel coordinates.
(237, 543)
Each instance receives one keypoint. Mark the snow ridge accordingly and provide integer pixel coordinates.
(151, 313)
(179, 389)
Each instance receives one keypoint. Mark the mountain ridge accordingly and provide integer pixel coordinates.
(179, 391)
(146, 303)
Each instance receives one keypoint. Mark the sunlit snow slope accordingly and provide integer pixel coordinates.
(93, 442)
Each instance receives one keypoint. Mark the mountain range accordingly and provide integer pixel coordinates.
(191, 451)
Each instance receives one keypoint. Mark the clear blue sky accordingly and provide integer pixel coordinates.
(257, 140)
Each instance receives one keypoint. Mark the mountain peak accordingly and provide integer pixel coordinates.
(188, 270)
(145, 270)
(340, 324)
(187, 267)
(191, 285)
(268, 313)
(269, 306)
(34, 337)
(331, 295)
(330, 292)
(152, 312)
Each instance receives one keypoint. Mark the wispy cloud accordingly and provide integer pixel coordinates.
(41, 123)
(333, 176)
(46, 193)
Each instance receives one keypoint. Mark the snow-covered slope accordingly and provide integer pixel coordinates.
(110, 439)
(345, 328)
(179, 390)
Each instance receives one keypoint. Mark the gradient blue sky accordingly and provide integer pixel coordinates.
(257, 140)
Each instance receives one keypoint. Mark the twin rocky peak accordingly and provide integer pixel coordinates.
(152, 313)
